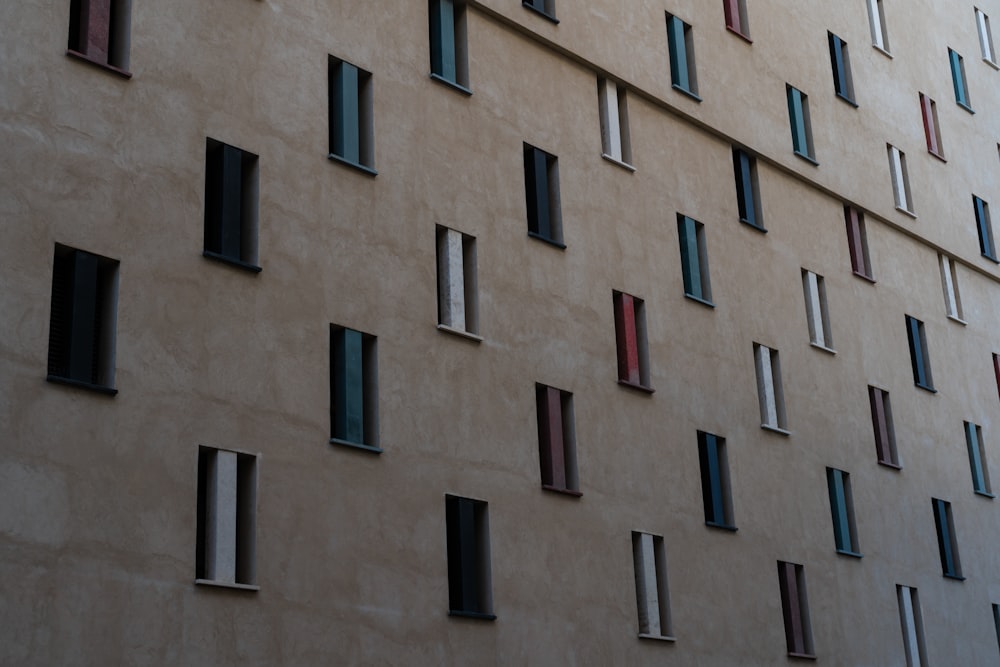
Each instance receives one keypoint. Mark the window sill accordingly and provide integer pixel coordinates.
(991, 258)
(906, 212)
(721, 526)
(356, 445)
(231, 261)
(851, 554)
(953, 577)
(753, 225)
(454, 85)
(966, 107)
(620, 163)
(226, 584)
(847, 100)
(460, 332)
(808, 158)
(76, 55)
(638, 387)
(985, 494)
(891, 465)
(745, 38)
(938, 156)
(97, 388)
(958, 320)
(333, 157)
(478, 615)
(776, 429)
(991, 63)
(882, 51)
(926, 387)
(662, 638)
(689, 93)
(864, 277)
(828, 350)
(698, 299)
(562, 491)
(540, 12)
(545, 239)
(802, 656)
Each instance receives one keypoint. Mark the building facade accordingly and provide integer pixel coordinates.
(498, 332)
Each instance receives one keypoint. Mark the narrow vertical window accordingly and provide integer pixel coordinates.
(798, 119)
(694, 259)
(958, 80)
(458, 301)
(351, 125)
(795, 610)
(857, 243)
(985, 37)
(82, 320)
(900, 179)
(817, 311)
(680, 42)
(231, 193)
(885, 434)
(996, 620)
(932, 129)
(912, 624)
(840, 60)
(651, 593)
(996, 370)
(984, 228)
(876, 21)
(769, 391)
(541, 188)
(977, 459)
(949, 284)
(715, 488)
(556, 440)
(99, 32)
(449, 50)
(353, 389)
(546, 8)
(951, 566)
(747, 188)
(845, 532)
(630, 339)
(470, 587)
(615, 140)
(736, 17)
(227, 518)
(919, 357)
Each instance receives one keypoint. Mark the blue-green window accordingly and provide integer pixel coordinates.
(919, 357)
(985, 228)
(958, 80)
(747, 191)
(715, 489)
(840, 60)
(681, 45)
(694, 259)
(353, 389)
(449, 53)
(977, 459)
(798, 118)
(845, 532)
(351, 126)
(951, 565)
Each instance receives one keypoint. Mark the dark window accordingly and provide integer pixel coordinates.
(747, 192)
(556, 439)
(840, 60)
(231, 205)
(470, 590)
(985, 228)
(885, 435)
(449, 51)
(99, 32)
(857, 242)
(800, 123)
(353, 389)
(845, 532)
(541, 188)
(977, 459)
(715, 489)
(919, 357)
(795, 610)
(951, 566)
(694, 259)
(351, 123)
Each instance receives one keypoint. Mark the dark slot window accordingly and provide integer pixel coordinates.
(469, 584)
(231, 205)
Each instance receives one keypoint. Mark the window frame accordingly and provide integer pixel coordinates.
(546, 8)
(817, 311)
(919, 354)
(840, 62)
(457, 283)
(748, 201)
(351, 115)
(541, 193)
(652, 590)
(879, 30)
(770, 392)
(986, 38)
(616, 140)
(912, 624)
(845, 530)
(950, 289)
(232, 192)
(449, 49)
(977, 460)
(470, 580)
(694, 260)
(800, 124)
(900, 180)
(857, 243)
(632, 342)
(932, 126)
(959, 80)
(103, 37)
(984, 228)
(716, 486)
(557, 440)
(795, 610)
(737, 18)
(944, 523)
(353, 389)
(683, 72)
(883, 428)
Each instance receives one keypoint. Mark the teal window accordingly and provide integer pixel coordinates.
(985, 228)
(353, 389)
(840, 60)
(715, 489)
(747, 189)
(681, 45)
(798, 118)
(958, 80)
(449, 53)
(546, 8)
(919, 358)
(977, 459)
(845, 534)
(951, 565)
(694, 259)
(351, 126)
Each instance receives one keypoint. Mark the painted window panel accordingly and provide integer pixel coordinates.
(840, 61)
(977, 459)
(900, 179)
(951, 566)
(842, 510)
(353, 389)
(795, 610)
(736, 17)
(556, 440)
(799, 120)
(458, 301)
(949, 285)
(857, 242)
(715, 482)
(615, 138)
(448, 42)
(680, 42)
(984, 228)
(919, 356)
(996, 370)
(694, 259)
(470, 588)
(958, 80)
(817, 310)
(985, 37)
(651, 591)
(350, 121)
(885, 435)
(769, 389)
(747, 189)
(631, 341)
(227, 518)
(876, 21)
(911, 622)
(932, 129)
(99, 31)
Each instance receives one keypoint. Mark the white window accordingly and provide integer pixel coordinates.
(817, 312)
(227, 518)
(769, 391)
(900, 179)
(876, 21)
(651, 592)
(949, 284)
(615, 142)
(458, 309)
(985, 37)
(913, 626)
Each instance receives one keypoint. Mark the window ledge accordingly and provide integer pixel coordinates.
(882, 51)
(698, 299)
(991, 63)
(460, 332)
(478, 615)
(632, 385)
(356, 445)
(808, 158)
(926, 387)
(333, 157)
(891, 465)
(954, 577)
(540, 12)
(991, 258)
(851, 554)
(802, 656)
(76, 55)
(966, 107)
(846, 99)
(985, 494)
(745, 38)
(545, 239)
(938, 156)
(957, 320)
(662, 638)
(829, 350)
(753, 225)
(864, 277)
(776, 429)
(721, 526)
(680, 89)
(226, 584)
(231, 261)
(100, 389)
(620, 163)
(906, 212)
(454, 85)
(562, 491)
